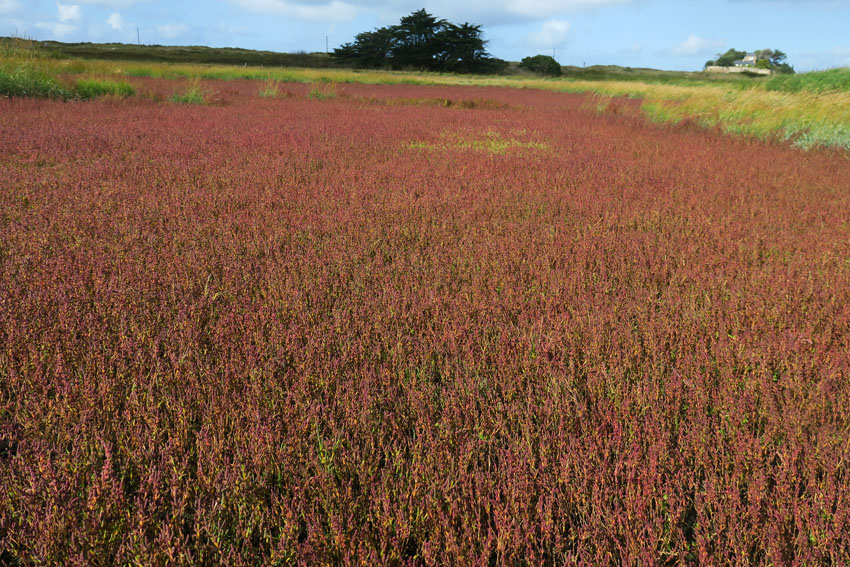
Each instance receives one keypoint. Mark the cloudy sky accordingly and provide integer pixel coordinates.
(666, 34)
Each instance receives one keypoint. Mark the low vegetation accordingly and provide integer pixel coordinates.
(300, 332)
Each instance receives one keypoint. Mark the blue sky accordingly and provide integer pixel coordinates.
(663, 34)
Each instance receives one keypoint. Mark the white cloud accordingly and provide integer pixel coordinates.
(8, 6)
(115, 21)
(335, 11)
(696, 45)
(172, 31)
(58, 29)
(551, 34)
(68, 12)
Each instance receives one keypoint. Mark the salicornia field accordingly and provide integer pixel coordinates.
(416, 325)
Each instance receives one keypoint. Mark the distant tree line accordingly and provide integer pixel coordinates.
(773, 59)
(423, 42)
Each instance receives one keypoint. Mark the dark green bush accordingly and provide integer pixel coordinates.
(542, 65)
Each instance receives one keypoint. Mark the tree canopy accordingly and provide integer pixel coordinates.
(424, 42)
(727, 59)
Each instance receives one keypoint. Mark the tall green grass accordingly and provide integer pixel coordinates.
(193, 94)
(322, 90)
(26, 80)
(816, 81)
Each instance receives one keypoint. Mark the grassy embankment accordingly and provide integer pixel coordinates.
(809, 110)
(27, 70)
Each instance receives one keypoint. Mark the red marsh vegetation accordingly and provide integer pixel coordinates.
(370, 328)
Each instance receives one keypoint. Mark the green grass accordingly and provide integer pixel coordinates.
(92, 88)
(193, 94)
(27, 80)
(816, 82)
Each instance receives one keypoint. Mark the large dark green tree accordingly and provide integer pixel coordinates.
(423, 42)
(417, 41)
(462, 48)
(370, 49)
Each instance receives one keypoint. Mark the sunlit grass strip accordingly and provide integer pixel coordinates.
(806, 119)
(490, 141)
(92, 88)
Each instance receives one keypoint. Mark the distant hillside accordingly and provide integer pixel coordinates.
(196, 54)
(646, 75)
(186, 54)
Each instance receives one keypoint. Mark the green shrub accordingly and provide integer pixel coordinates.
(92, 88)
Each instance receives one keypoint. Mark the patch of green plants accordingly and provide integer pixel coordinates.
(93, 88)
(193, 94)
(322, 90)
(25, 80)
(490, 142)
